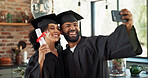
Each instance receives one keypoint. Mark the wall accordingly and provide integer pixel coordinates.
(15, 7)
(11, 35)
(83, 10)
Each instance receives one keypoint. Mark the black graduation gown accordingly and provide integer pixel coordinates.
(52, 67)
(90, 56)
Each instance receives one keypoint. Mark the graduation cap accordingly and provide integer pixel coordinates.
(68, 16)
(44, 21)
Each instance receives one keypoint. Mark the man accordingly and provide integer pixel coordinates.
(86, 57)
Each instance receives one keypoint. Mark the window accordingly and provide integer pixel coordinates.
(139, 10)
(103, 20)
(104, 25)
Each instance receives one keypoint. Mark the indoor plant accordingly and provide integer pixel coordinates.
(17, 50)
(117, 67)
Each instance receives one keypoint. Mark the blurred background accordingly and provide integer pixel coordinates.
(15, 17)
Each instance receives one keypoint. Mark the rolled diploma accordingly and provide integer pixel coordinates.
(39, 33)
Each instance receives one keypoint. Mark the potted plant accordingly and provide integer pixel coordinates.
(117, 67)
(18, 56)
(17, 50)
(21, 71)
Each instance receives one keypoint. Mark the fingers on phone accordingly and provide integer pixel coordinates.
(126, 17)
(125, 23)
(125, 12)
(124, 9)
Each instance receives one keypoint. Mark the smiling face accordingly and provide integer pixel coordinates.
(71, 31)
(53, 32)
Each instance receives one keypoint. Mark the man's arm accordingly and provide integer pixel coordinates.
(124, 42)
(134, 40)
(130, 28)
(128, 17)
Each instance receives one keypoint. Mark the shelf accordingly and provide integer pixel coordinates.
(15, 24)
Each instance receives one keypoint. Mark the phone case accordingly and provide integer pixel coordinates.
(117, 17)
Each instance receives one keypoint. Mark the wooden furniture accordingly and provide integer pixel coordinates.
(14, 24)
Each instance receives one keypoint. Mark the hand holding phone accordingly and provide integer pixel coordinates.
(116, 17)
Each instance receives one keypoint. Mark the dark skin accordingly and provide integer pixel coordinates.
(129, 16)
(67, 26)
(71, 26)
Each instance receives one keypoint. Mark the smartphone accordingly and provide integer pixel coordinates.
(116, 17)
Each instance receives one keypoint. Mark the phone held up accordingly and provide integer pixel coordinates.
(116, 17)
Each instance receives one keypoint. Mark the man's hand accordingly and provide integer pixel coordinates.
(129, 17)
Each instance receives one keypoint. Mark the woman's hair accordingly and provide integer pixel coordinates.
(33, 38)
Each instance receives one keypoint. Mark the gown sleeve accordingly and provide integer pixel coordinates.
(133, 39)
(49, 66)
(33, 68)
(122, 45)
(53, 66)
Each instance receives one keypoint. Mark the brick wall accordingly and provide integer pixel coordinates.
(15, 7)
(11, 35)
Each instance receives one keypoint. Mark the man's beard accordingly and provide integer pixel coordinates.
(71, 39)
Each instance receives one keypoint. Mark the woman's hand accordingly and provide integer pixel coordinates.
(42, 51)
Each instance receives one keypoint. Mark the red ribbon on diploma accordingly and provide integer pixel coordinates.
(43, 34)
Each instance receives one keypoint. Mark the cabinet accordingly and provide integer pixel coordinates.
(5, 73)
(8, 71)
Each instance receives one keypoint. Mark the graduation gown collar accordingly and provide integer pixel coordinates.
(79, 45)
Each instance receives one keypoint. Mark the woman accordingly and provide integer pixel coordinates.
(47, 60)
